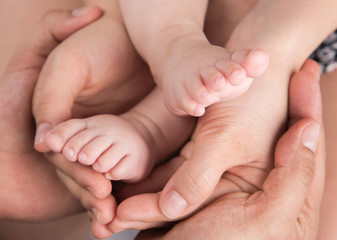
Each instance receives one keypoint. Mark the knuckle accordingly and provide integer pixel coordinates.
(67, 58)
(198, 186)
(306, 167)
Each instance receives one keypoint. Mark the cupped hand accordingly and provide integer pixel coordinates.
(286, 206)
(234, 140)
(95, 71)
(23, 195)
(142, 211)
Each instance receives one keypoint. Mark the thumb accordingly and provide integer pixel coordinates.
(193, 183)
(288, 184)
(51, 99)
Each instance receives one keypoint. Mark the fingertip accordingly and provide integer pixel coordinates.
(173, 205)
(39, 143)
(198, 111)
(100, 231)
(310, 136)
(103, 191)
(84, 10)
(62, 24)
(254, 61)
(312, 67)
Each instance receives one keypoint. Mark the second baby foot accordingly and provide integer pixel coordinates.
(199, 75)
(109, 143)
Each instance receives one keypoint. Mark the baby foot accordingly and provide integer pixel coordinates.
(201, 74)
(111, 144)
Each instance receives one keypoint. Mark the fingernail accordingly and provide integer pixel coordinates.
(96, 166)
(310, 136)
(41, 130)
(82, 157)
(199, 111)
(108, 176)
(69, 153)
(173, 205)
(81, 11)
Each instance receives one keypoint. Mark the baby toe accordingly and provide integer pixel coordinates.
(233, 72)
(76, 143)
(213, 79)
(110, 158)
(127, 170)
(254, 61)
(58, 136)
(91, 152)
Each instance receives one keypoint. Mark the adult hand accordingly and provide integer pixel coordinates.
(91, 188)
(95, 71)
(287, 206)
(244, 132)
(142, 211)
(23, 195)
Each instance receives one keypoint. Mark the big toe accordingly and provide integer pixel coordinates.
(254, 61)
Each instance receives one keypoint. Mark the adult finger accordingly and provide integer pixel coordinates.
(102, 209)
(100, 231)
(288, 183)
(83, 175)
(304, 93)
(56, 26)
(154, 182)
(305, 101)
(297, 149)
(195, 181)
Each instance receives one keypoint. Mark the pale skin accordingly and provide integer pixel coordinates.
(192, 73)
(124, 147)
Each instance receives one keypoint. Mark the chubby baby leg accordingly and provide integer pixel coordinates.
(111, 144)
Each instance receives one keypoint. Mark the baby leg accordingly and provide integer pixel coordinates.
(192, 73)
